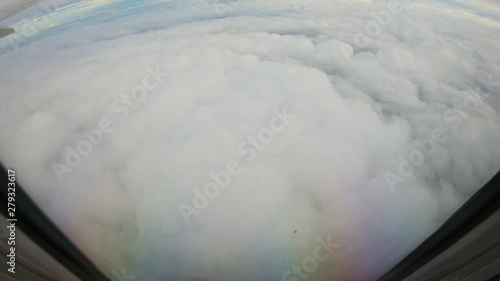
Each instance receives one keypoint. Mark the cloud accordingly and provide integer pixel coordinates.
(358, 109)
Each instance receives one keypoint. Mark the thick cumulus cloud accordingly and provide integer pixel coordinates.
(395, 126)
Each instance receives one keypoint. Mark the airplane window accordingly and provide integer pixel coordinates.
(249, 139)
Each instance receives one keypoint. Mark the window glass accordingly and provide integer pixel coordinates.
(250, 139)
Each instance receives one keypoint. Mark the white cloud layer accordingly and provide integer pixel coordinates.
(358, 110)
